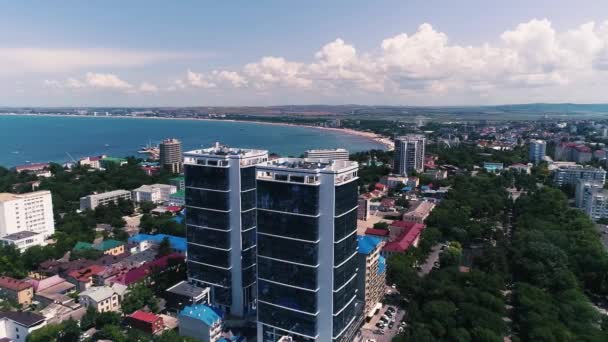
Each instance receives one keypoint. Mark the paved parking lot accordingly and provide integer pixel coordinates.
(367, 331)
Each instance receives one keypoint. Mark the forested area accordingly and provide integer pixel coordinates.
(531, 285)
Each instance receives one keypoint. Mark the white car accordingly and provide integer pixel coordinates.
(370, 340)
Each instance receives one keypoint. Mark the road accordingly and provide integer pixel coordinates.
(430, 261)
(367, 331)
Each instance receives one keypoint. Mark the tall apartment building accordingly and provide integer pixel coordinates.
(537, 150)
(307, 248)
(92, 201)
(335, 154)
(27, 212)
(171, 155)
(221, 224)
(409, 154)
(372, 273)
(583, 187)
(572, 174)
(596, 203)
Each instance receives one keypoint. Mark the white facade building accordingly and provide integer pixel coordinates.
(27, 212)
(334, 154)
(155, 193)
(221, 224)
(409, 154)
(92, 201)
(583, 187)
(596, 203)
(23, 240)
(572, 174)
(17, 325)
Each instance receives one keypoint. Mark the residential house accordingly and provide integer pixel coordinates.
(15, 326)
(17, 290)
(146, 322)
(200, 322)
(103, 298)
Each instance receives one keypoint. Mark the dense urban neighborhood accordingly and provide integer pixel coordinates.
(460, 231)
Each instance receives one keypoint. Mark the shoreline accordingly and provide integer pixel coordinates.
(381, 140)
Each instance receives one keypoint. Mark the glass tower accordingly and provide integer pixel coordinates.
(221, 220)
(307, 248)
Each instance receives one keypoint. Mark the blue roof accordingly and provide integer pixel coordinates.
(179, 219)
(406, 188)
(381, 265)
(177, 243)
(367, 243)
(201, 312)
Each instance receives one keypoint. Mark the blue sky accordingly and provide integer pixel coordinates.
(149, 53)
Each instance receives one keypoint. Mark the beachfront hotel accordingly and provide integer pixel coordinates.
(307, 250)
(220, 199)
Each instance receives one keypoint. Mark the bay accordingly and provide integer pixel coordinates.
(25, 139)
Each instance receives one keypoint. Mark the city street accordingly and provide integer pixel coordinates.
(367, 331)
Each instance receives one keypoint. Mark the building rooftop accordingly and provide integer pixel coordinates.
(367, 243)
(376, 231)
(219, 150)
(313, 164)
(203, 313)
(144, 316)
(108, 244)
(25, 318)
(151, 187)
(407, 238)
(328, 150)
(14, 284)
(186, 289)
(81, 246)
(176, 242)
(7, 196)
(98, 293)
(20, 235)
(86, 273)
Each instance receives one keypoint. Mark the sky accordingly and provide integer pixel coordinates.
(236, 53)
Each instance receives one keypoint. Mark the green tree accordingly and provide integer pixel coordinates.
(146, 207)
(139, 297)
(164, 247)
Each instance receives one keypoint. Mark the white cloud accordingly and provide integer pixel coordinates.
(39, 60)
(413, 68)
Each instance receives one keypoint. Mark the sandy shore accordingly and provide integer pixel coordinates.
(385, 141)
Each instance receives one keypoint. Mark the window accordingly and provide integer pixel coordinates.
(248, 200)
(346, 197)
(293, 226)
(208, 237)
(248, 219)
(206, 177)
(286, 273)
(288, 250)
(287, 319)
(208, 218)
(207, 199)
(345, 249)
(247, 178)
(209, 274)
(291, 198)
(286, 296)
(344, 225)
(209, 256)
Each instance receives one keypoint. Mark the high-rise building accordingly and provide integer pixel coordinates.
(538, 149)
(220, 201)
(596, 203)
(27, 212)
(335, 154)
(572, 174)
(307, 250)
(371, 274)
(583, 187)
(171, 155)
(409, 154)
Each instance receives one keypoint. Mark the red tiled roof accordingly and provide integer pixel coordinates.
(85, 274)
(403, 224)
(139, 273)
(173, 208)
(380, 186)
(583, 148)
(144, 316)
(378, 232)
(14, 284)
(405, 240)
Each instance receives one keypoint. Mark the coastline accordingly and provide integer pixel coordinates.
(384, 141)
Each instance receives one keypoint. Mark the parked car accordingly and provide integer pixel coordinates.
(390, 325)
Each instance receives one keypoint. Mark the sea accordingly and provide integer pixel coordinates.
(31, 139)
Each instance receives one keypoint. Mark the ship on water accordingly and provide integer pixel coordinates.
(151, 150)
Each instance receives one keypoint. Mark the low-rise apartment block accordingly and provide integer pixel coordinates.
(92, 201)
(15, 326)
(23, 240)
(573, 174)
(103, 298)
(201, 322)
(418, 211)
(155, 193)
